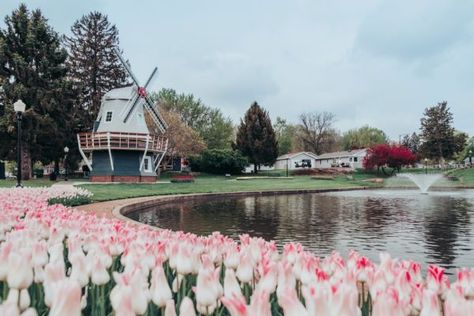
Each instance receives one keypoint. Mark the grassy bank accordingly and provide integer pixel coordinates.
(216, 184)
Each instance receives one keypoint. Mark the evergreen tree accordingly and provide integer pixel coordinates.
(32, 68)
(256, 138)
(95, 68)
(437, 134)
(412, 142)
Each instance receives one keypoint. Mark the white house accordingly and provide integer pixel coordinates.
(298, 160)
(352, 159)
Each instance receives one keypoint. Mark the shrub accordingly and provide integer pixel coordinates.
(219, 161)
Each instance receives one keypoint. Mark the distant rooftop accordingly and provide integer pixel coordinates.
(340, 154)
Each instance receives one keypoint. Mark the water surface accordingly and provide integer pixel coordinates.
(434, 228)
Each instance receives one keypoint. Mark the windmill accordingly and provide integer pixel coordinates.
(122, 147)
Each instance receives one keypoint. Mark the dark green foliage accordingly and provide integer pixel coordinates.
(73, 201)
(33, 68)
(439, 141)
(256, 138)
(219, 161)
(94, 66)
(211, 125)
(412, 142)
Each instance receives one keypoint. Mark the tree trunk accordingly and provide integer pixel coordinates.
(255, 168)
(26, 165)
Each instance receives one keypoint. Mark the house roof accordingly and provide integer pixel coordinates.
(293, 155)
(340, 154)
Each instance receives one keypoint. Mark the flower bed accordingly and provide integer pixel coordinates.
(60, 261)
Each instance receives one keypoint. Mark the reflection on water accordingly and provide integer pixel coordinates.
(434, 228)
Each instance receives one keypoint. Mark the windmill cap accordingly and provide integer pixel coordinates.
(123, 93)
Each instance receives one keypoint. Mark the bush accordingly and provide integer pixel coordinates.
(219, 161)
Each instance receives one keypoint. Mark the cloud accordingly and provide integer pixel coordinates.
(413, 30)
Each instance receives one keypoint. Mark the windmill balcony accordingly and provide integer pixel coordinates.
(121, 141)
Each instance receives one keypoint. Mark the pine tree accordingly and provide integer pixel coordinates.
(437, 135)
(32, 68)
(256, 138)
(95, 68)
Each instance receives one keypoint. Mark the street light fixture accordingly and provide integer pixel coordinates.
(66, 150)
(19, 107)
(426, 165)
(470, 157)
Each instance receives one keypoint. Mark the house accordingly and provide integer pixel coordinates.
(351, 159)
(297, 160)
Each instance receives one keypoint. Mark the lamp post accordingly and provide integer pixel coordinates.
(66, 150)
(19, 107)
(426, 165)
(470, 157)
(287, 162)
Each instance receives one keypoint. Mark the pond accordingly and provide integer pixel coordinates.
(428, 228)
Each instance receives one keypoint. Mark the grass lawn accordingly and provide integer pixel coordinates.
(465, 176)
(216, 184)
(10, 183)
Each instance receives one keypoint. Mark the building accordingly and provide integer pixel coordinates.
(297, 160)
(350, 159)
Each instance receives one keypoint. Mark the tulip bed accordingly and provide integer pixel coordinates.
(56, 260)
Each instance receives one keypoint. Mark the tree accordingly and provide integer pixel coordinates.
(384, 155)
(183, 141)
(93, 64)
(256, 138)
(315, 131)
(437, 135)
(285, 134)
(363, 137)
(32, 68)
(412, 142)
(216, 130)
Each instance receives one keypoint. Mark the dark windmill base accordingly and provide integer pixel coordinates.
(126, 167)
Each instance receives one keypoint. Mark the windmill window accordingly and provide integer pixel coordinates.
(108, 117)
(147, 164)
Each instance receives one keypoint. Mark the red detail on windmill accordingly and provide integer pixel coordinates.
(141, 92)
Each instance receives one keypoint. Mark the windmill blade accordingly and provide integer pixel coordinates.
(130, 111)
(126, 66)
(155, 115)
(151, 77)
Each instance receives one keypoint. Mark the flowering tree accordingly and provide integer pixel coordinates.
(385, 155)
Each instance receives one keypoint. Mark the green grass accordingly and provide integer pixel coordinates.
(215, 184)
(27, 183)
(466, 176)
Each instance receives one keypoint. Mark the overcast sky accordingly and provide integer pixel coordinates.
(371, 62)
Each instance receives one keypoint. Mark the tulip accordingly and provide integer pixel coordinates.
(160, 290)
(187, 307)
(291, 304)
(245, 269)
(231, 285)
(170, 309)
(67, 299)
(20, 273)
(431, 306)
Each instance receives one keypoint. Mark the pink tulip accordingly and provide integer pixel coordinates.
(235, 305)
(9, 309)
(170, 308)
(160, 290)
(187, 307)
(291, 304)
(387, 303)
(231, 285)
(20, 273)
(431, 305)
(245, 269)
(260, 304)
(67, 299)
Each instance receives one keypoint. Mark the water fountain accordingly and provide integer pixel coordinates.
(422, 181)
